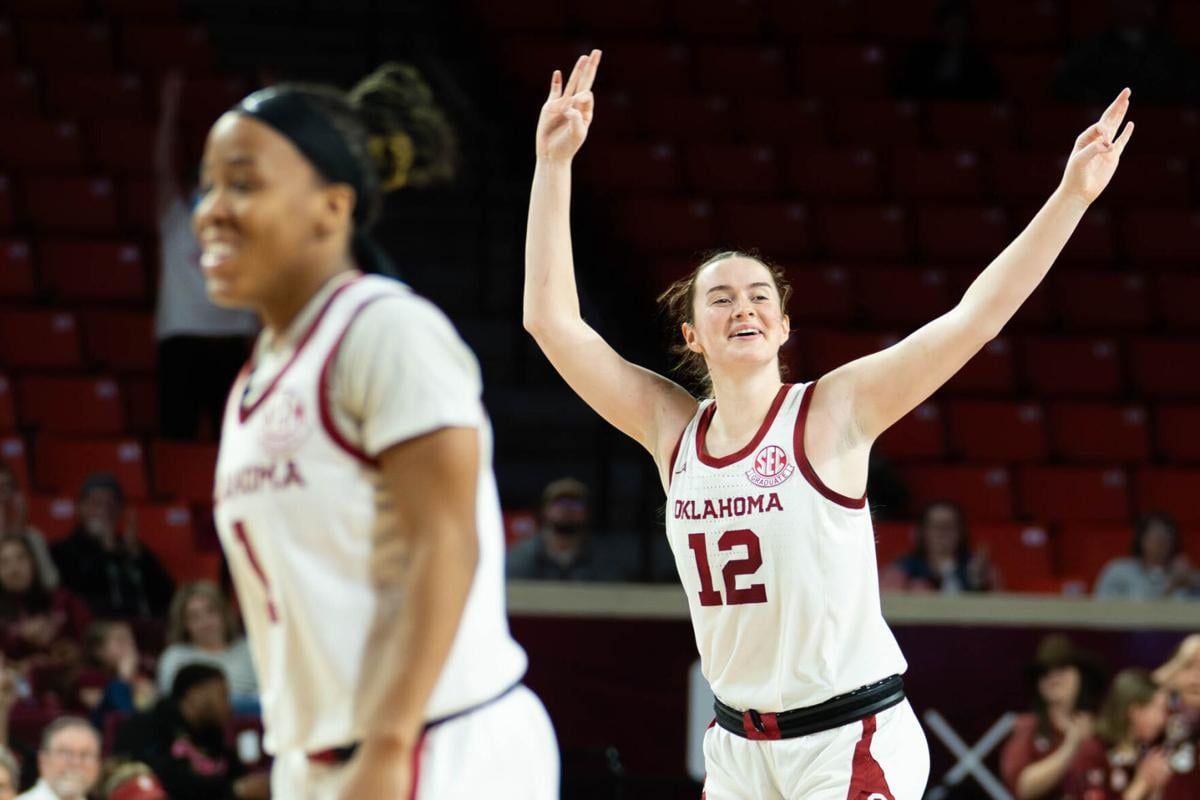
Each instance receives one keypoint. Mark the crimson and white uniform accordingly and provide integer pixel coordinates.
(783, 589)
(367, 364)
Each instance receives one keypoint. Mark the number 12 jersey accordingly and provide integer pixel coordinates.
(779, 570)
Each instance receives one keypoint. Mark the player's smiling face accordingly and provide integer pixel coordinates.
(259, 219)
(737, 314)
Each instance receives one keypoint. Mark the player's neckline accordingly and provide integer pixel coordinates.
(706, 417)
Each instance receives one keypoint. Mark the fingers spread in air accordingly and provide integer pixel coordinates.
(1122, 140)
(589, 76)
(1110, 120)
(1088, 136)
(555, 86)
(576, 76)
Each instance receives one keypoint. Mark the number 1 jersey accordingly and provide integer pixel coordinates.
(779, 570)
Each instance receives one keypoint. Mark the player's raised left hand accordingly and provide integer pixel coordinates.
(1097, 152)
(378, 770)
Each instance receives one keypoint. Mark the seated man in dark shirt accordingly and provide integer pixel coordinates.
(183, 739)
(563, 547)
(106, 565)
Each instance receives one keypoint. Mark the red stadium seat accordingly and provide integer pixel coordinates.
(139, 205)
(40, 145)
(1084, 549)
(919, 435)
(1075, 494)
(16, 269)
(1020, 177)
(997, 431)
(1165, 367)
(62, 464)
(739, 18)
(68, 44)
(1162, 235)
(732, 169)
(984, 493)
(13, 453)
(777, 230)
(141, 403)
(100, 94)
(1103, 300)
(72, 205)
(865, 232)
(844, 70)
(529, 62)
(1073, 366)
(122, 145)
(100, 271)
(1170, 490)
(738, 70)
(619, 18)
(19, 92)
(690, 117)
(8, 415)
(170, 533)
(682, 226)
(1177, 299)
(883, 123)
(1055, 127)
(820, 295)
(120, 340)
(153, 47)
(1094, 432)
(1171, 130)
(1022, 554)
(898, 296)
(983, 126)
(82, 406)
(1018, 23)
(519, 525)
(205, 99)
(835, 174)
(1092, 241)
(825, 350)
(184, 470)
(1152, 180)
(970, 233)
(782, 120)
(893, 540)
(991, 372)
(53, 515)
(937, 175)
(1177, 432)
(634, 167)
(629, 65)
(39, 339)
(1028, 76)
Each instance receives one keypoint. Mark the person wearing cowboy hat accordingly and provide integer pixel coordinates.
(1068, 683)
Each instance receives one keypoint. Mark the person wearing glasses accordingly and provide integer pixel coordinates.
(69, 761)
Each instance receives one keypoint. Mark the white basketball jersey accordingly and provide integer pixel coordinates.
(296, 506)
(779, 570)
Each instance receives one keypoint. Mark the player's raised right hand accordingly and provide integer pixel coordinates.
(567, 113)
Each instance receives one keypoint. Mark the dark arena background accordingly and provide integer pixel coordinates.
(881, 152)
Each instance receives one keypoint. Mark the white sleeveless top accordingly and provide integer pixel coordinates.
(779, 570)
(297, 501)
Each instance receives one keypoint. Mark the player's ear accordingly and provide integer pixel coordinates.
(689, 337)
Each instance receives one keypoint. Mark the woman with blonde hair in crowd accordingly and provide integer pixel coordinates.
(202, 629)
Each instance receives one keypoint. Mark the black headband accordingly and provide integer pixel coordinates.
(314, 136)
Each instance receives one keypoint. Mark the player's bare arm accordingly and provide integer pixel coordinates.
(422, 567)
(864, 398)
(648, 407)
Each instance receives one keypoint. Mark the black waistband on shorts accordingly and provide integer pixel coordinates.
(833, 713)
(340, 755)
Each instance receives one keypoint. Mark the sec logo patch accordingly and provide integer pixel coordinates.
(771, 467)
(286, 424)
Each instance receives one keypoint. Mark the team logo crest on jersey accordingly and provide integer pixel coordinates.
(771, 467)
(286, 424)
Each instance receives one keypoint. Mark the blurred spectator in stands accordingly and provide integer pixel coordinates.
(1180, 677)
(16, 699)
(183, 739)
(118, 679)
(1137, 50)
(107, 566)
(1038, 755)
(563, 547)
(10, 775)
(1121, 761)
(69, 761)
(942, 560)
(202, 629)
(39, 628)
(133, 781)
(951, 66)
(1157, 568)
(13, 522)
(201, 346)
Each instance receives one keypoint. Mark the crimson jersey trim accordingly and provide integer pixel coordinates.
(724, 461)
(806, 467)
